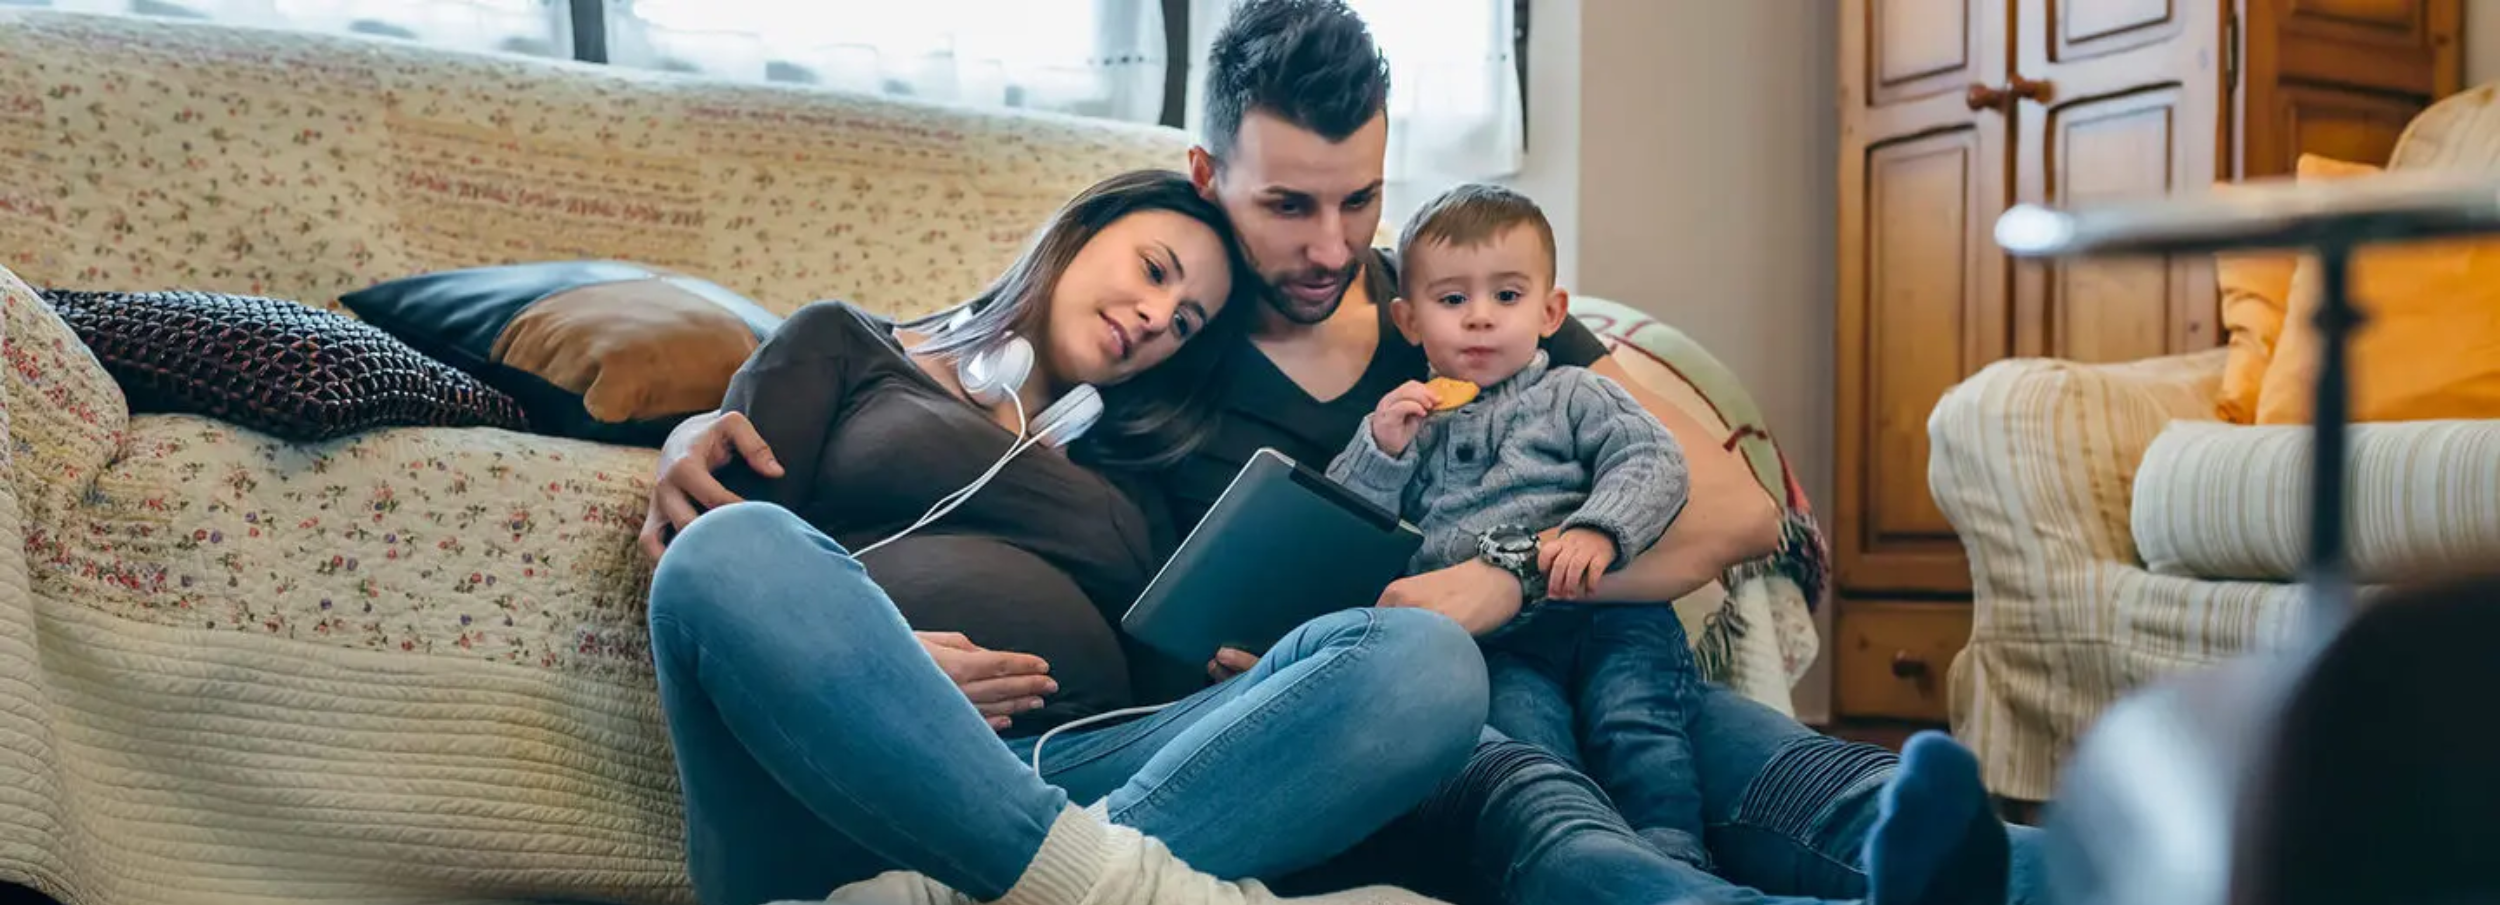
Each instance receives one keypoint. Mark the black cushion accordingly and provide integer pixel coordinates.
(272, 365)
(458, 315)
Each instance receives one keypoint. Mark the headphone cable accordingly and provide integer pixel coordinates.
(948, 503)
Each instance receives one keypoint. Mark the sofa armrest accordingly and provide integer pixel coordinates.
(2033, 461)
(66, 416)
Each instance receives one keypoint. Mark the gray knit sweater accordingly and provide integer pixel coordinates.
(1550, 447)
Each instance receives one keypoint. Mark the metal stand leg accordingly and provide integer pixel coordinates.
(2329, 581)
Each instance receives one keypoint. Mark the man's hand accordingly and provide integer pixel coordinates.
(1573, 561)
(1000, 683)
(1230, 662)
(685, 486)
(1480, 597)
(1400, 415)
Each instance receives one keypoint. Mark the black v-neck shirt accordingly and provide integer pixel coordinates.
(1263, 408)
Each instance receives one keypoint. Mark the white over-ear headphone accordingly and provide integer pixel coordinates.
(995, 375)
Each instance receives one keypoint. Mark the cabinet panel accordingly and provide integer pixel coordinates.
(1921, 297)
(1891, 659)
(2129, 146)
(1920, 48)
(1922, 292)
(2088, 28)
(2145, 122)
(2333, 71)
(2345, 125)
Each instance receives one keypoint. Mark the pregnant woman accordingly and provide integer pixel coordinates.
(840, 718)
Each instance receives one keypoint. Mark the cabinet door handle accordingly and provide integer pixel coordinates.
(1906, 665)
(2020, 88)
(2002, 98)
(1986, 97)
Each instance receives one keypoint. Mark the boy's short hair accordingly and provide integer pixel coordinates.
(1311, 63)
(1474, 214)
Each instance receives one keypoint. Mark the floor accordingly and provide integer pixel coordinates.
(1890, 734)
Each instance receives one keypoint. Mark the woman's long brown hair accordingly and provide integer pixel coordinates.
(1157, 417)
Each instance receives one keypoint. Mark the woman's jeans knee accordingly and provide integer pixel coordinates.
(1346, 723)
(816, 744)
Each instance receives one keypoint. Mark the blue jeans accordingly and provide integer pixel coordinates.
(1786, 813)
(817, 744)
(1609, 689)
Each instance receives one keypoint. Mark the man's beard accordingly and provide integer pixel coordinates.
(1306, 313)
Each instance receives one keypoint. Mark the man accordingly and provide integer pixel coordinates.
(1294, 147)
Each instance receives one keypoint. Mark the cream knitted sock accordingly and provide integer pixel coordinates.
(1088, 861)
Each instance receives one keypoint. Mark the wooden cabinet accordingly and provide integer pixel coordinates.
(1952, 110)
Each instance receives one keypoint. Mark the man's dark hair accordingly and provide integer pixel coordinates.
(1311, 63)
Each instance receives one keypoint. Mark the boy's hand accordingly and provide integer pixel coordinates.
(1573, 561)
(1400, 415)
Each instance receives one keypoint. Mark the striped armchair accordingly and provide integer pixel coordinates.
(2119, 533)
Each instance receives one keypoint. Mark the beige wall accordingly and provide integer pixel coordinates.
(1684, 149)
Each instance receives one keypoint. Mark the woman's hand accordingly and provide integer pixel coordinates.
(1400, 415)
(1230, 662)
(1573, 561)
(1000, 683)
(1478, 596)
(685, 486)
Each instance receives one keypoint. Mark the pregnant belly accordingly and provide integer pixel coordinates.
(1004, 598)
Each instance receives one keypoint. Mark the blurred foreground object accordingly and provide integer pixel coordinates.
(2338, 768)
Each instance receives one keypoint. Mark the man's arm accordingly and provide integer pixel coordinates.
(1728, 520)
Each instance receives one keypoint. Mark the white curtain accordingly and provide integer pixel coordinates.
(1101, 58)
(535, 27)
(1454, 97)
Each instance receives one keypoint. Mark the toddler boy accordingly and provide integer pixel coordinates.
(1502, 446)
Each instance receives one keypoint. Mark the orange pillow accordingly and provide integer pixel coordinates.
(2255, 287)
(2430, 346)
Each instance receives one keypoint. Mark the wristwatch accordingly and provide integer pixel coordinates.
(1513, 549)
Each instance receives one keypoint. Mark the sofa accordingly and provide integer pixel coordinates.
(411, 664)
(2119, 531)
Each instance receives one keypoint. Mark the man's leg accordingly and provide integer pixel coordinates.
(1791, 811)
(1520, 827)
(1349, 721)
(798, 701)
(1637, 690)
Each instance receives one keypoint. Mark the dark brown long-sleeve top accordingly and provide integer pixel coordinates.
(1042, 560)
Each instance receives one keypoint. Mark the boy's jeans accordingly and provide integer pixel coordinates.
(1611, 690)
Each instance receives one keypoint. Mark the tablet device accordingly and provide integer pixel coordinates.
(1282, 545)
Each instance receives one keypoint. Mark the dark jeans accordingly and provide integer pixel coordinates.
(1786, 813)
(1610, 690)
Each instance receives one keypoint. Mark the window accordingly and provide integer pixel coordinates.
(1100, 58)
(1456, 108)
(534, 27)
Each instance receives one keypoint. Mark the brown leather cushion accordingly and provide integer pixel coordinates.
(611, 351)
(272, 365)
(634, 350)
